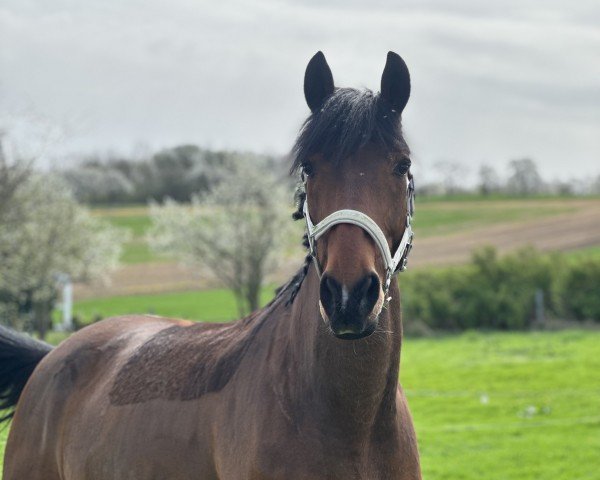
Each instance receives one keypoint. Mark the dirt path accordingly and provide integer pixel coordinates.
(559, 232)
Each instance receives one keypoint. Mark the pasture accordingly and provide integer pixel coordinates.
(136, 221)
(447, 229)
(216, 305)
(501, 406)
(505, 405)
(434, 217)
(486, 405)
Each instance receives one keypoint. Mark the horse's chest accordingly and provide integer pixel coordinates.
(300, 460)
(332, 468)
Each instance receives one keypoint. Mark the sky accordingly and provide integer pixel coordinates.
(491, 81)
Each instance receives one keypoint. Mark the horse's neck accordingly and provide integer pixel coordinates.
(355, 381)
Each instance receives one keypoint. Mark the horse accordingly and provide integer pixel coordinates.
(305, 388)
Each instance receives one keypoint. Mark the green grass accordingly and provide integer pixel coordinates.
(3, 436)
(136, 221)
(207, 305)
(589, 253)
(137, 224)
(138, 251)
(476, 197)
(504, 406)
(439, 218)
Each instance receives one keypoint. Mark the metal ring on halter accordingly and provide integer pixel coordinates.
(393, 263)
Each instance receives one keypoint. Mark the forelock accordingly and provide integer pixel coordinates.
(348, 121)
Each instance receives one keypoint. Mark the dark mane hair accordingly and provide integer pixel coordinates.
(349, 120)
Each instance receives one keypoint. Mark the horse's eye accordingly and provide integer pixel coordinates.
(402, 166)
(307, 169)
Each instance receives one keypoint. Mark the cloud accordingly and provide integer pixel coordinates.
(491, 80)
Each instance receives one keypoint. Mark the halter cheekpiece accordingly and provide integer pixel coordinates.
(395, 262)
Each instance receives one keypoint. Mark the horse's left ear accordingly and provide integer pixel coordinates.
(395, 82)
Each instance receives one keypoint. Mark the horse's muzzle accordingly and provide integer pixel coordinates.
(351, 313)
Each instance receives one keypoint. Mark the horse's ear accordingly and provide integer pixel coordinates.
(395, 82)
(318, 81)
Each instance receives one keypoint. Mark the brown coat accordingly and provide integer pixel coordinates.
(274, 396)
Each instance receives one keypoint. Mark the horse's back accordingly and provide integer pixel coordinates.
(73, 421)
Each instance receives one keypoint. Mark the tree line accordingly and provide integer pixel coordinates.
(521, 177)
(177, 173)
(183, 171)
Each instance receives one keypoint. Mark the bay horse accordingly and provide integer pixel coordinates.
(305, 388)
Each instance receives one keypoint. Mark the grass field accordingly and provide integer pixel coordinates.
(207, 305)
(518, 406)
(435, 216)
(506, 406)
(441, 217)
(136, 221)
(590, 253)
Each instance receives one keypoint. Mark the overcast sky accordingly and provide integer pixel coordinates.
(492, 81)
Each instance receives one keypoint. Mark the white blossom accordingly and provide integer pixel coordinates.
(43, 233)
(236, 229)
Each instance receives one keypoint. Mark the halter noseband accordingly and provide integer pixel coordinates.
(394, 263)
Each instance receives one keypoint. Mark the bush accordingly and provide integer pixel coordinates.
(577, 291)
(499, 292)
(428, 297)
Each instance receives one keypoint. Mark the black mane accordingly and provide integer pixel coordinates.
(349, 120)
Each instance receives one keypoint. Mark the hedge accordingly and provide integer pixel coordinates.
(499, 292)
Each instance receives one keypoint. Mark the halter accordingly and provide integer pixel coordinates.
(394, 263)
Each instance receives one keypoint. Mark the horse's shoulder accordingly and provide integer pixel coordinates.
(182, 362)
(93, 349)
(117, 330)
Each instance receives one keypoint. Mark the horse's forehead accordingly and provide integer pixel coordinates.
(367, 162)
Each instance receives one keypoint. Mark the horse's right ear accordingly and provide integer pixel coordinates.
(318, 81)
(395, 82)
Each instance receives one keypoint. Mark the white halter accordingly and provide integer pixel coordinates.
(394, 263)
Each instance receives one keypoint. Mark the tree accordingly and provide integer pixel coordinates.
(90, 184)
(235, 229)
(44, 233)
(524, 178)
(489, 182)
(12, 175)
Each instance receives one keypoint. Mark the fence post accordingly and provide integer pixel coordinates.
(67, 303)
(539, 307)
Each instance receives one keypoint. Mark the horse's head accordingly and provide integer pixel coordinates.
(355, 165)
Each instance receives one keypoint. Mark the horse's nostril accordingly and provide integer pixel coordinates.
(363, 286)
(367, 291)
(333, 286)
(374, 288)
(331, 292)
